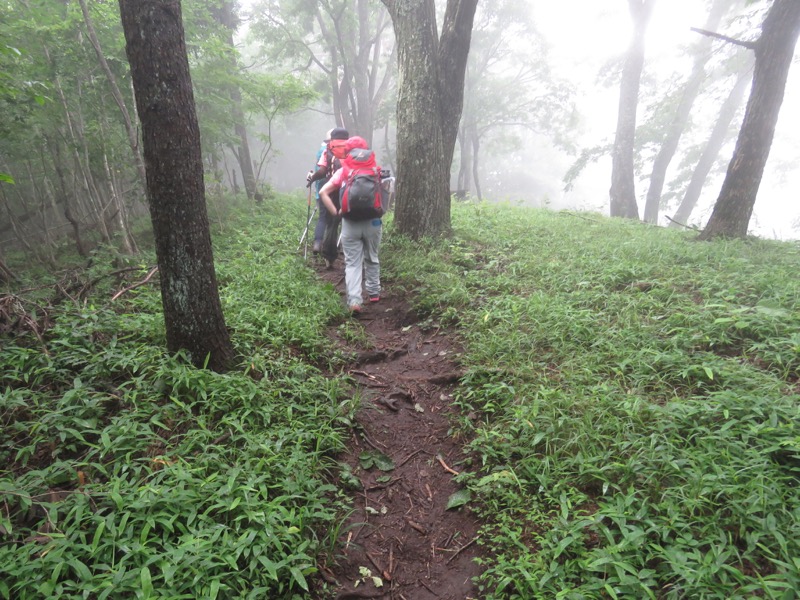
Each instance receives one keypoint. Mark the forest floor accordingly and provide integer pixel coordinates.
(400, 530)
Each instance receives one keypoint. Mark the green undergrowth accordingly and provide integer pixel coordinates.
(636, 393)
(128, 473)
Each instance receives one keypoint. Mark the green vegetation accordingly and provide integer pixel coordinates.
(630, 406)
(636, 393)
(129, 473)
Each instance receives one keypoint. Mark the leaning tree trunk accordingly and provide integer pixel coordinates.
(133, 137)
(773, 51)
(623, 192)
(718, 137)
(174, 165)
(431, 89)
(681, 116)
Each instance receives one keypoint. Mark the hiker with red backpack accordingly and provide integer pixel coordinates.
(358, 184)
(326, 232)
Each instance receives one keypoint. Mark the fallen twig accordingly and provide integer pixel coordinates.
(386, 575)
(417, 526)
(427, 587)
(444, 465)
(407, 458)
(460, 550)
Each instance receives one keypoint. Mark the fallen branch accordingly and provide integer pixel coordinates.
(427, 587)
(135, 285)
(692, 227)
(409, 457)
(719, 36)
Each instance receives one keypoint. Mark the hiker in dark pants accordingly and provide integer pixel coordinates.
(322, 213)
(361, 231)
(329, 162)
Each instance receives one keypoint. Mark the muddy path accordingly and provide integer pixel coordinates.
(402, 542)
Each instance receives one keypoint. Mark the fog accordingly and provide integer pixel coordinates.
(585, 37)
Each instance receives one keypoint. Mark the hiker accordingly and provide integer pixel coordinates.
(322, 214)
(326, 232)
(358, 186)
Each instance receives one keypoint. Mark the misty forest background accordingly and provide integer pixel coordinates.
(271, 77)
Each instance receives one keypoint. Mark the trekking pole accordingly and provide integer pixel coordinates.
(308, 226)
(304, 237)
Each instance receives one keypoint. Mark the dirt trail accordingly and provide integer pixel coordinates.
(401, 530)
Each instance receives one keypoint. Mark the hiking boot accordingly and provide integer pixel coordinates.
(374, 297)
(315, 247)
(355, 309)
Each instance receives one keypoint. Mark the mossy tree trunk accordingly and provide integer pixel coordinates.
(431, 74)
(171, 139)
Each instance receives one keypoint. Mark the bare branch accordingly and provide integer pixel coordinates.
(719, 36)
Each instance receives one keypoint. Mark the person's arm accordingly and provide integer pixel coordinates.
(316, 175)
(325, 196)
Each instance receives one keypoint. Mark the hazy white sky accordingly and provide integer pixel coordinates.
(584, 35)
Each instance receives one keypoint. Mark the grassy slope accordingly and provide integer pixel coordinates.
(633, 396)
(195, 484)
(636, 395)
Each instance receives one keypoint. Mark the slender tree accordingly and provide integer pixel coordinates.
(719, 134)
(431, 72)
(510, 91)
(225, 13)
(133, 138)
(623, 192)
(171, 138)
(774, 50)
(680, 117)
(347, 41)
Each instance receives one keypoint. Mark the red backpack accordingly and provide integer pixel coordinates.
(361, 192)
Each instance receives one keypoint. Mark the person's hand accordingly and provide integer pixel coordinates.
(308, 178)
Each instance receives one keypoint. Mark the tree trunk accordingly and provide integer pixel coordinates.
(160, 71)
(77, 141)
(678, 123)
(358, 81)
(55, 150)
(773, 51)
(431, 89)
(716, 140)
(6, 274)
(476, 159)
(623, 192)
(227, 17)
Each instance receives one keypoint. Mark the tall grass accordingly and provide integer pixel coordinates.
(637, 401)
(126, 472)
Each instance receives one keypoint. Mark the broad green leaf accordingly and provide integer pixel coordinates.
(460, 498)
(146, 582)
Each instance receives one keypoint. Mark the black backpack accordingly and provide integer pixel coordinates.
(361, 193)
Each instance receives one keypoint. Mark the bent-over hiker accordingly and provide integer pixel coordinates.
(326, 232)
